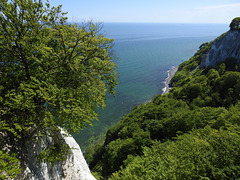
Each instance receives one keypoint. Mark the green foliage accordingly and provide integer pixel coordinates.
(51, 73)
(187, 68)
(50, 67)
(95, 146)
(162, 119)
(235, 24)
(216, 87)
(228, 88)
(203, 154)
(55, 153)
(9, 165)
(97, 175)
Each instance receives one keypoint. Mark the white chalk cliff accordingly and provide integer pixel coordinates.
(225, 47)
(73, 168)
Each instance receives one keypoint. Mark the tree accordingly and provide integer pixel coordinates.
(52, 73)
(235, 24)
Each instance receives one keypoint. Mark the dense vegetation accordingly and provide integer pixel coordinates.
(235, 24)
(190, 133)
(52, 74)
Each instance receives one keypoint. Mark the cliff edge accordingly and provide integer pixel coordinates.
(73, 168)
(225, 47)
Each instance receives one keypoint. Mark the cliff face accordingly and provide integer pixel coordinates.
(227, 46)
(74, 168)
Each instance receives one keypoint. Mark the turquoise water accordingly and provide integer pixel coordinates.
(144, 53)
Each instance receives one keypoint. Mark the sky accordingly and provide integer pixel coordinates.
(151, 11)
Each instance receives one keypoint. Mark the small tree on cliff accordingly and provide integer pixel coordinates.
(51, 73)
(235, 24)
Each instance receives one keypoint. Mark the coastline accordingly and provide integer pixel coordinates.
(167, 82)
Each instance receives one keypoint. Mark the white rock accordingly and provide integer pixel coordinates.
(74, 168)
(223, 48)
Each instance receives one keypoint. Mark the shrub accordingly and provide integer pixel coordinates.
(235, 24)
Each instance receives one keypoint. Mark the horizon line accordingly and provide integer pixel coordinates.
(122, 22)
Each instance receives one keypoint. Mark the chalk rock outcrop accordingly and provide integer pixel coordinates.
(73, 168)
(225, 47)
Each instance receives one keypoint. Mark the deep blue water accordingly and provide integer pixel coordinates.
(144, 53)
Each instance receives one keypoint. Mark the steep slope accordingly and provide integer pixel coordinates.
(200, 114)
(73, 168)
(225, 47)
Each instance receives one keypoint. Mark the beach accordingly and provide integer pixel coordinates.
(167, 82)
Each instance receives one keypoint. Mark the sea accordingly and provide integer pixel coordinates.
(144, 53)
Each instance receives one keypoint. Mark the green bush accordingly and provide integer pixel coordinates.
(235, 24)
(9, 165)
(203, 154)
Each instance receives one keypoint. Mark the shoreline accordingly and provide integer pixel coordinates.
(167, 82)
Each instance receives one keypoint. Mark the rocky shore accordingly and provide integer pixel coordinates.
(167, 82)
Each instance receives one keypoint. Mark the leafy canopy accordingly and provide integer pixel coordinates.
(235, 24)
(52, 73)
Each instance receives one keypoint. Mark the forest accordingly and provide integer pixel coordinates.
(192, 132)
